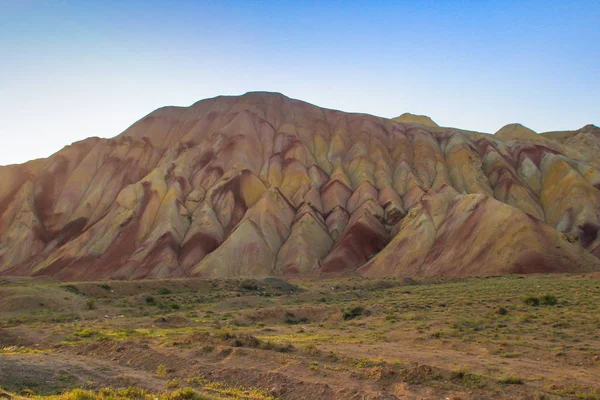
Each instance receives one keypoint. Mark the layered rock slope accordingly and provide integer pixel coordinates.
(261, 184)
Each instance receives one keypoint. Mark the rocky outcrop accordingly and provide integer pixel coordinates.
(261, 184)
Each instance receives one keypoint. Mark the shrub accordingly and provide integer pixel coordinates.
(511, 380)
(466, 379)
(458, 374)
(352, 312)
(186, 394)
(90, 304)
(532, 301)
(164, 291)
(546, 300)
(132, 392)
(161, 370)
(234, 340)
(85, 333)
(224, 335)
(549, 300)
(173, 383)
(150, 300)
(79, 394)
(284, 348)
(290, 318)
(104, 286)
(312, 349)
(249, 284)
(207, 348)
(71, 288)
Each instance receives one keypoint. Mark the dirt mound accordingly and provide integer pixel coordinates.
(280, 284)
(9, 338)
(288, 315)
(26, 300)
(172, 322)
(269, 284)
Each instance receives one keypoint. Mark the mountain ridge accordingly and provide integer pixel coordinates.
(260, 184)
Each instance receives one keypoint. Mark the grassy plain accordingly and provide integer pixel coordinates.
(530, 337)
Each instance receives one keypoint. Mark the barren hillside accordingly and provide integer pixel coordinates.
(262, 184)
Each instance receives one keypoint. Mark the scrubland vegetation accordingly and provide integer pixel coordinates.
(498, 337)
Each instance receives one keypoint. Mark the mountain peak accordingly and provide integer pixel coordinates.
(590, 128)
(408, 118)
(515, 131)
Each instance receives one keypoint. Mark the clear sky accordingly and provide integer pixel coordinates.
(70, 69)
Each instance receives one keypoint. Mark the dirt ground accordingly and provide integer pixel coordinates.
(517, 337)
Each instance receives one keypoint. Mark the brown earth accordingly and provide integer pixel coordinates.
(261, 184)
(431, 338)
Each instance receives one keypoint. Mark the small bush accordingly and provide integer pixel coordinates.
(207, 348)
(290, 318)
(173, 383)
(546, 300)
(132, 392)
(79, 394)
(458, 374)
(312, 349)
(186, 394)
(511, 380)
(150, 300)
(502, 311)
(549, 300)
(71, 288)
(532, 301)
(104, 286)
(161, 371)
(249, 284)
(467, 379)
(284, 348)
(352, 312)
(164, 291)
(85, 333)
(90, 304)
(224, 335)
(249, 341)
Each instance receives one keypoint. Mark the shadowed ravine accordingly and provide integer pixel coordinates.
(261, 184)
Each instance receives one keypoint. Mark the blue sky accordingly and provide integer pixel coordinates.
(73, 69)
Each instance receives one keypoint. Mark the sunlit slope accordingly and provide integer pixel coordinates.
(261, 184)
